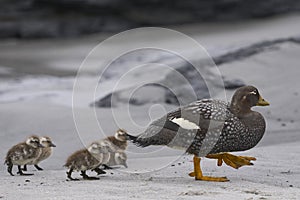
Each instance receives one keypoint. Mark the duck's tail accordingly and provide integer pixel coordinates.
(139, 141)
(134, 139)
(144, 140)
(131, 137)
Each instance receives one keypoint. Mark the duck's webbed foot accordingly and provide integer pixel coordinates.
(86, 177)
(197, 173)
(99, 171)
(232, 160)
(69, 175)
(20, 172)
(106, 167)
(38, 167)
(24, 168)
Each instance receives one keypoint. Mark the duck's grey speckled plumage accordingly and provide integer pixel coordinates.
(222, 126)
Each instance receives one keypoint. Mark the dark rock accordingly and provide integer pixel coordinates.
(231, 84)
(8, 29)
(139, 97)
(64, 18)
(252, 49)
(33, 28)
(185, 84)
(176, 88)
(105, 102)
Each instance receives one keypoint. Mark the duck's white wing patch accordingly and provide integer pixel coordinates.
(186, 124)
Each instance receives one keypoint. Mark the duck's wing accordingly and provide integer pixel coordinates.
(179, 127)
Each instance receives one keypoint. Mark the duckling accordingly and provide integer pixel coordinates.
(118, 144)
(119, 140)
(46, 152)
(23, 153)
(87, 159)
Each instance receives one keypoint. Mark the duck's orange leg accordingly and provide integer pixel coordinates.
(197, 173)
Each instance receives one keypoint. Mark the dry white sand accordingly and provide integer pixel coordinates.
(275, 175)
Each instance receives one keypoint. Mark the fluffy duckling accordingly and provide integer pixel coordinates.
(46, 152)
(118, 144)
(119, 140)
(23, 153)
(87, 159)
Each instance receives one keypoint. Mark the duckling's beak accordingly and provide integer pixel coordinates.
(52, 145)
(262, 102)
